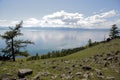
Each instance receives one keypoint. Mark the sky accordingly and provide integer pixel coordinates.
(60, 13)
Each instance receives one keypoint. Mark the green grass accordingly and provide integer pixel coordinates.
(64, 64)
(102, 48)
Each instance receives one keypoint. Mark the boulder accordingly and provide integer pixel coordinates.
(23, 72)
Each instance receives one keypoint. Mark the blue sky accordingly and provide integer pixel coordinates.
(57, 13)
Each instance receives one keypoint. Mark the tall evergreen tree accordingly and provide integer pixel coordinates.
(89, 42)
(114, 32)
(14, 45)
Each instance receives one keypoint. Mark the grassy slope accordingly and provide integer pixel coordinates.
(102, 48)
(11, 68)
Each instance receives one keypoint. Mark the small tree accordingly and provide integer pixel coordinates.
(114, 32)
(89, 42)
(13, 45)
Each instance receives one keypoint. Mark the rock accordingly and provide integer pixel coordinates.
(79, 73)
(86, 68)
(110, 78)
(5, 69)
(110, 58)
(53, 77)
(5, 78)
(106, 64)
(86, 75)
(101, 77)
(63, 76)
(23, 72)
(46, 73)
(117, 71)
(67, 62)
(99, 73)
(37, 77)
(69, 77)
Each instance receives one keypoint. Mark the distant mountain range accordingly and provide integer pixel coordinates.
(51, 28)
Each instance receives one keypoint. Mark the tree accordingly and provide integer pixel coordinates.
(114, 32)
(14, 45)
(89, 42)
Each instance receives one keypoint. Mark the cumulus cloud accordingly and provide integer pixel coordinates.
(77, 20)
(62, 19)
(31, 22)
(71, 20)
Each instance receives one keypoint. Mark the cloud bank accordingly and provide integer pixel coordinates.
(71, 20)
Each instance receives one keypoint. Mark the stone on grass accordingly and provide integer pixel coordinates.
(46, 73)
(86, 75)
(101, 77)
(64, 76)
(99, 73)
(5, 78)
(110, 78)
(23, 72)
(37, 77)
(53, 77)
(66, 62)
(79, 73)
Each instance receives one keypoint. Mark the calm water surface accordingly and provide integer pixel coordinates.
(47, 40)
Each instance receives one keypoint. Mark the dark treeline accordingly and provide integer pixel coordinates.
(63, 52)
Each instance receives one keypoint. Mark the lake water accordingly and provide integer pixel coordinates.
(56, 39)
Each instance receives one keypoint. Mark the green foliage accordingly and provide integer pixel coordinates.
(61, 53)
(114, 33)
(13, 45)
(89, 42)
(36, 57)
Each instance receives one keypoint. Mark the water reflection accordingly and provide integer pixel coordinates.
(48, 40)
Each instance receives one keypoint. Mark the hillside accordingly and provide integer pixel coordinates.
(100, 62)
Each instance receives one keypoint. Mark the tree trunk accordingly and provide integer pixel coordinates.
(13, 54)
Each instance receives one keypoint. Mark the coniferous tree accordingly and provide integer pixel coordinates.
(14, 45)
(114, 33)
(89, 42)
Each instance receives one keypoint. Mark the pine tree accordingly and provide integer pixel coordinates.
(14, 45)
(114, 33)
(89, 42)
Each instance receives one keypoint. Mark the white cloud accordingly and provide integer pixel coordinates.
(74, 20)
(31, 22)
(65, 19)
(62, 19)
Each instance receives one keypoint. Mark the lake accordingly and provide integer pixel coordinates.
(49, 39)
